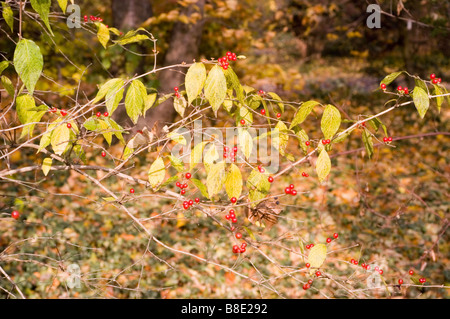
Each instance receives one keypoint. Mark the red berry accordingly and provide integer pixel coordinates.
(238, 235)
(270, 179)
(236, 249)
(380, 271)
(261, 92)
(328, 141)
(291, 186)
(234, 220)
(328, 240)
(98, 114)
(233, 200)
(69, 125)
(263, 112)
(278, 115)
(232, 228)
(287, 190)
(385, 139)
(399, 88)
(227, 217)
(293, 192)
(389, 139)
(235, 149)
(400, 281)
(229, 53)
(383, 86)
(307, 265)
(188, 175)
(422, 280)
(242, 121)
(15, 214)
(85, 18)
(307, 143)
(242, 249)
(324, 142)
(225, 67)
(183, 191)
(310, 281)
(178, 184)
(367, 267)
(63, 112)
(432, 76)
(318, 273)
(176, 89)
(106, 114)
(311, 246)
(132, 190)
(185, 185)
(435, 81)
(197, 200)
(439, 80)
(191, 202)
(406, 90)
(232, 215)
(103, 153)
(335, 235)
(411, 272)
(306, 286)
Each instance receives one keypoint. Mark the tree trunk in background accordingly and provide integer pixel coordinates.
(183, 46)
(129, 14)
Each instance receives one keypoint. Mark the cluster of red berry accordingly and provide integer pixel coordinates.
(98, 114)
(325, 142)
(223, 61)
(434, 79)
(231, 216)
(304, 174)
(308, 284)
(93, 19)
(404, 90)
(290, 190)
(335, 236)
(241, 249)
(232, 153)
(176, 89)
(387, 139)
(411, 272)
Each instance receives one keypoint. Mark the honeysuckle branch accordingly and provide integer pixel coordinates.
(12, 282)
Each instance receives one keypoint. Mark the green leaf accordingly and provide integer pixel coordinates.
(421, 101)
(197, 154)
(180, 104)
(63, 5)
(331, 120)
(28, 62)
(254, 101)
(245, 143)
(195, 80)
(46, 165)
(216, 88)
(302, 137)
(8, 15)
(6, 82)
(3, 66)
(46, 138)
(317, 255)
(258, 186)
(105, 88)
(421, 83)
(180, 139)
(391, 77)
(24, 103)
(134, 100)
(117, 130)
(176, 163)
(342, 137)
(368, 142)
(302, 113)
(234, 84)
(323, 165)
(105, 130)
(244, 114)
(215, 178)
(42, 7)
(439, 99)
(132, 39)
(157, 172)
(60, 139)
(114, 95)
(91, 124)
(201, 187)
(233, 182)
(103, 34)
(149, 101)
(277, 98)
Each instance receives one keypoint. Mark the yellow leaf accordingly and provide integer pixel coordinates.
(317, 255)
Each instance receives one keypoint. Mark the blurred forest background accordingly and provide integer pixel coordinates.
(392, 210)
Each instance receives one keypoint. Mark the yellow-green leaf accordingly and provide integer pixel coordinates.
(7, 84)
(180, 104)
(28, 62)
(180, 139)
(317, 255)
(215, 178)
(233, 182)
(149, 101)
(323, 165)
(114, 95)
(42, 7)
(245, 143)
(195, 80)
(46, 165)
(8, 15)
(177, 163)
(302, 113)
(421, 101)
(63, 5)
(331, 120)
(216, 87)
(103, 34)
(157, 172)
(197, 154)
(60, 139)
(134, 100)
